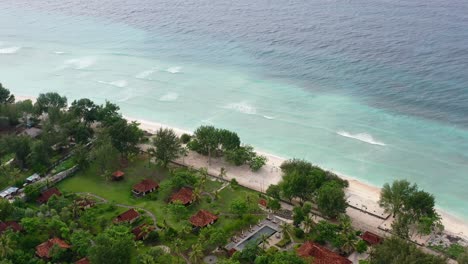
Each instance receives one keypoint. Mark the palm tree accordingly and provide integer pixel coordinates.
(216, 194)
(176, 247)
(347, 235)
(308, 224)
(197, 253)
(197, 192)
(6, 245)
(287, 229)
(222, 173)
(203, 172)
(183, 153)
(151, 154)
(264, 241)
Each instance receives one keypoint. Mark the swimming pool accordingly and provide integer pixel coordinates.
(265, 230)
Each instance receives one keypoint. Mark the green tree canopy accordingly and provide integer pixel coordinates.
(331, 200)
(125, 137)
(5, 96)
(113, 246)
(167, 145)
(48, 101)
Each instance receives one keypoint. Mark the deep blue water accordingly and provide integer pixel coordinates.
(375, 90)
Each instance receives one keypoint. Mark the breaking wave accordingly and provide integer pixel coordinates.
(169, 97)
(174, 69)
(9, 50)
(364, 137)
(144, 74)
(59, 52)
(80, 63)
(242, 107)
(268, 117)
(119, 83)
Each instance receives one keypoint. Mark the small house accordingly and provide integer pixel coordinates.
(8, 192)
(15, 226)
(144, 187)
(142, 231)
(203, 218)
(183, 196)
(320, 254)
(33, 178)
(46, 195)
(43, 250)
(371, 238)
(128, 216)
(117, 175)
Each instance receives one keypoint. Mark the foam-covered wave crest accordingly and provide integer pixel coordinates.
(9, 50)
(175, 69)
(80, 63)
(119, 83)
(144, 74)
(169, 97)
(364, 137)
(242, 107)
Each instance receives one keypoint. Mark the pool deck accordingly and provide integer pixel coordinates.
(272, 222)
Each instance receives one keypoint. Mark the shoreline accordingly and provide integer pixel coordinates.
(452, 223)
(271, 174)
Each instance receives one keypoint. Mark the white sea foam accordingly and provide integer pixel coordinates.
(59, 52)
(242, 107)
(9, 50)
(268, 117)
(144, 74)
(175, 69)
(119, 83)
(364, 137)
(169, 97)
(80, 63)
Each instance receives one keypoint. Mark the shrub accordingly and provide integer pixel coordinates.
(257, 162)
(361, 246)
(285, 241)
(299, 233)
(185, 138)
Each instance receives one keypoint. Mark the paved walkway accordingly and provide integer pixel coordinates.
(104, 200)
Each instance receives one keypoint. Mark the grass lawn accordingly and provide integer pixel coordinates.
(120, 192)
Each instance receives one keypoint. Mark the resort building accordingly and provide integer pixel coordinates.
(144, 187)
(203, 218)
(46, 195)
(43, 250)
(183, 196)
(83, 261)
(142, 231)
(117, 175)
(371, 238)
(8, 192)
(320, 254)
(33, 178)
(128, 216)
(16, 227)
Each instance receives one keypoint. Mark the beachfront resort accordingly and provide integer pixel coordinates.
(81, 184)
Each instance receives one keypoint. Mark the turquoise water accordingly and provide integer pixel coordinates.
(266, 230)
(341, 84)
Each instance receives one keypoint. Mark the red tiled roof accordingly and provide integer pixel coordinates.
(203, 218)
(43, 249)
(10, 224)
(118, 174)
(231, 252)
(128, 215)
(321, 255)
(184, 195)
(83, 261)
(45, 196)
(145, 185)
(371, 238)
(262, 202)
(142, 230)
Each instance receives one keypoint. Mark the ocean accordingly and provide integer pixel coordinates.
(375, 90)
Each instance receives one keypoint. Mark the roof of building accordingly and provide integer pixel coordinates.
(142, 230)
(43, 249)
(33, 177)
(262, 202)
(128, 215)
(118, 174)
(10, 224)
(8, 191)
(203, 218)
(45, 196)
(184, 195)
(33, 132)
(83, 261)
(371, 238)
(320, 254)
(145, 185)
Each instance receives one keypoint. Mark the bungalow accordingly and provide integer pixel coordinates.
(47, 194)
(43, 250)
(10, 225)
(371, 238)
(128, 216)
(203, 218)
(320, 254)
(117, 175)
(83, 261)
(183, 196)
(85, 203)
(33, 178)
(144, 187)
(142, 231)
